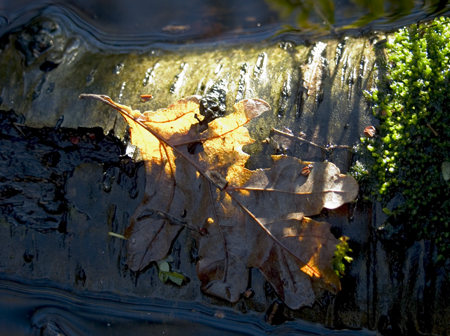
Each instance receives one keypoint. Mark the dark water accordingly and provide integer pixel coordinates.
(42, 309)
(133, 24)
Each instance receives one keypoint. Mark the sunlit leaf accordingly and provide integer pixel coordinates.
(240, 218)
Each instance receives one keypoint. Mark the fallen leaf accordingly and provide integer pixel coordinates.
(240, 218)
(369, 131)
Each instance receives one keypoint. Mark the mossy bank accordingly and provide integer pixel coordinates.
(405, 164)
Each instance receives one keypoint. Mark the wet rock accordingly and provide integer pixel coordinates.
(35, 165)
(37, 38)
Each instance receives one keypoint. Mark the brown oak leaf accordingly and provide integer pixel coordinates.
(240, 218)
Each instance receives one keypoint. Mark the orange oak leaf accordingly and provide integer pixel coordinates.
(240, 218)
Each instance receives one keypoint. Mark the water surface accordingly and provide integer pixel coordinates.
(131, 25)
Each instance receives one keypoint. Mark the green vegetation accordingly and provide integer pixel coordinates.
(165, 274)
(412, 144)
(340, 255)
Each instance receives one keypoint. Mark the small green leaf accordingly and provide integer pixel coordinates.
(163, 276)
(163, 266)
(176, 278)
(387, 211)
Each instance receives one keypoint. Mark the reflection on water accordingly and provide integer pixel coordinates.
(134, 23)
(342, 14)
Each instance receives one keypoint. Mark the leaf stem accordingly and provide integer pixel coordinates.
(298, 138)
(327, 148)
(156, 214)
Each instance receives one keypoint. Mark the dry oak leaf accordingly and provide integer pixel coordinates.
(240, 218)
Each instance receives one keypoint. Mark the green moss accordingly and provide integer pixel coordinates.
(413, 140)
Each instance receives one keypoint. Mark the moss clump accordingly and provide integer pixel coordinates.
(413, 138)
